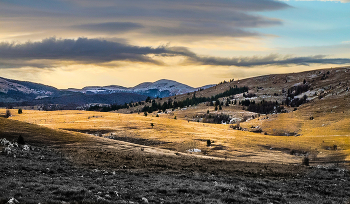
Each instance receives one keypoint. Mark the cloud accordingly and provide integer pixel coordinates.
(241, 5)
(81, 50)
(272, 59)
(342, 1)
(151, 18)
(109, 27)
(52, 52)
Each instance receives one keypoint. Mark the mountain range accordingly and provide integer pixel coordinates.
(161, 88)
(29, 93)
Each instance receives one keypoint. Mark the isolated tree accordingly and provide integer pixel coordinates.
(304, 82)
(175, 117)
(207, 111)
(145, 113)
(152, 125)
(20, 111)
(216, 108)
(8, 113)
(220, 108)
(157, 115)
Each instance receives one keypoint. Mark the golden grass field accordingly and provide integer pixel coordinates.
(317, 137)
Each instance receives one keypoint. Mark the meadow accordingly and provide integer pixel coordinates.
(286, 138)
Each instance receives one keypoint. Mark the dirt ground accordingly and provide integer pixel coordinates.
(46, 175)
(61, 166)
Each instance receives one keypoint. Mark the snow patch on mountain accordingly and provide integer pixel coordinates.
(161, 88)
(6, 86)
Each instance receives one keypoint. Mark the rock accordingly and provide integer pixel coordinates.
(12, 201)
(26, 148)
(144, 200)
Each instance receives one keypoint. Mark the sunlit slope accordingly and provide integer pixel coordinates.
(181, 135)
(321, 126)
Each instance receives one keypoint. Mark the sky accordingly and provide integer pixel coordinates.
(77, 43)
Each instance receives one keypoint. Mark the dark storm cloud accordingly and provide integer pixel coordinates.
(82, 50)
(109, 27)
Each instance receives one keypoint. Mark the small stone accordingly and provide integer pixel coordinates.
(144, 200)
(12, 201)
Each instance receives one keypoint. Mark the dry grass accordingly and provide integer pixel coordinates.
(180, 135)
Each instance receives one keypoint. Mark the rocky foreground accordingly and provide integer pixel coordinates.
(32, 174)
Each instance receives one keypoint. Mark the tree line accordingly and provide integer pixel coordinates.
(170, 104)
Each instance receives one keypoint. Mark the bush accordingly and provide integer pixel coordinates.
(145, 113)
(236, 127)
(8, 113)
(20, 111)
(306, 161)
(20, 140)
(175, 117)
(208, 143)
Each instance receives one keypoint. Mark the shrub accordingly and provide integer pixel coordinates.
(258, 130)
(20, 111)
(175, 117)
(8, 113)
(306, 161)
(20, 140)
(157, 115)
(236, 127)
(145, 113)
(293, 152)
(208, 143)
